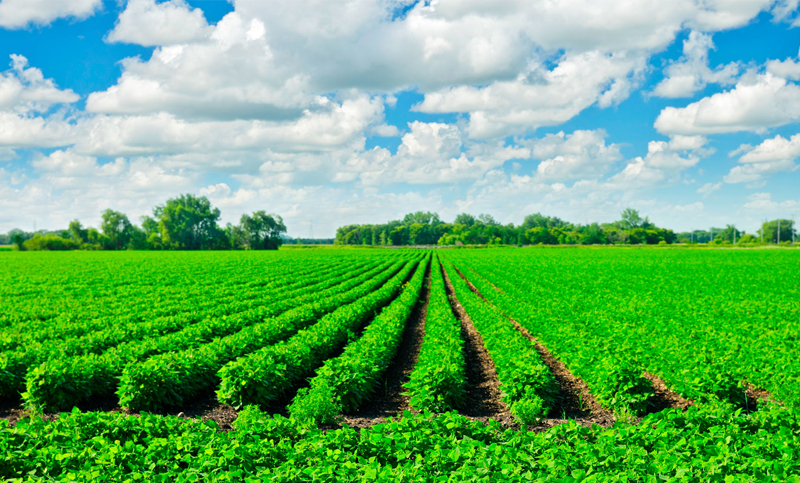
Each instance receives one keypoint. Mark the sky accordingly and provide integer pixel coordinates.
(333, 112)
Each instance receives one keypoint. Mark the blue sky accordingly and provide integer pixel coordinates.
(359, 111)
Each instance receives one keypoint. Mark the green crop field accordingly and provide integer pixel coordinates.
(331, 365)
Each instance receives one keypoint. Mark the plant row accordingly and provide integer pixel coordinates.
(64, 382)
(14, 365)
(614, 380)
(702, 444)
(528, 387)
(438, 381)
(167, 380)
(344, 383)
(136, 306)
(267, 375)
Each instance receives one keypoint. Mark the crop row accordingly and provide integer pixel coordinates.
(169, 379)
(612, 315)
(701, 444)
(265, 376)
(213, 300)
(88, 286)
(63, 382)
(528, 387)
(613, 379)
(14, 365)
(437, 382)
(344, 383)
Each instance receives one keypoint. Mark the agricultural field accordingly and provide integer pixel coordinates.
(534, 364)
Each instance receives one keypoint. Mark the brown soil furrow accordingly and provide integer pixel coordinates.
(390, 402)
(207, 409)
(483, 387)
(574, 400)
(665, 398)
(756, 396)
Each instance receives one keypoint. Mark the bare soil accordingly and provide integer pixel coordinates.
(665, 398)
(208, 409)
(391, 402)
(574, 400)
(757, 396)
(483, 387)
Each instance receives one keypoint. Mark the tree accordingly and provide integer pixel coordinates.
(538, 220)
(487, 219)
(464, 219)
(189, 222)
(262, 231)
(422, 217)
(541, 235)
(18, 241)
(770, 230)
(727, 234)
(77, 232)
(117, 228)
(631, 219)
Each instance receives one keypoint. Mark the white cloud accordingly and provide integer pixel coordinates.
(24, 89)
(430, 153)
(772, 156)
(787, 69)
(16, 14)
(749, 173)
(580, 155)
(540, 97)
(755, 104)
(762, 205)
(775, 149)
(692, 73)
(709, 188)
(148, 23)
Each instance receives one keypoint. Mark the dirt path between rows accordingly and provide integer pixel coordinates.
(390, 402)
(574, 400)
(483, 388)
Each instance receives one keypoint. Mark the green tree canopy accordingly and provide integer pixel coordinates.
(422, 217)
(189, 222)
(630, 219)
(117, 228)
(262, 231)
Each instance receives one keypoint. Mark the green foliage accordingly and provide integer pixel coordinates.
(344, 383)
(438, 380)
(711, 444)
(527, 384)
(169, 379)
(189, 222)
(265, 376)
(48, 243)
(61, 383)
(703, 321)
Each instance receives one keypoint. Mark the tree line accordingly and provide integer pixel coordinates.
(426, 228)
(186, 222)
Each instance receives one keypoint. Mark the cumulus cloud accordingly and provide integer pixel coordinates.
(772, 156)
(24, 89)
(787, 69)
(709, 188)
(756, 103)
(580, 155)
(692, 73)
(539, 97)
(16, 14)
(148, 23)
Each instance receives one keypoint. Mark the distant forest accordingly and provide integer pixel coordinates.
(188, 222)
(425, 228)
